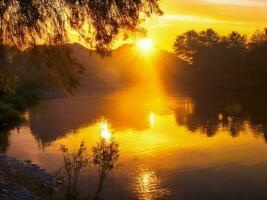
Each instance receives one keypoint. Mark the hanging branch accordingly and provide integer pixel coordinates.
(24, 23)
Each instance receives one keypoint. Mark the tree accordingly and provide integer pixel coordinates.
(256, 59)
(259, 37)
(192, 45)
(209, 38)
(105, 156)
(188, 45)
(74, 162)
(215, 59)
(236, 42)
(28, 22)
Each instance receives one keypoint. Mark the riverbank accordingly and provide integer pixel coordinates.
(21, 180)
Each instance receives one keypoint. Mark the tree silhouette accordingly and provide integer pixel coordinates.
(27, 22)
(187, 45)
(256, 60)
(226, 79)
(259, 37)
(105, 156)
(215, 61)
(25, 74)
(235, 41)
(55, 66)
(4, 142)
(191, 44)
(74, 162)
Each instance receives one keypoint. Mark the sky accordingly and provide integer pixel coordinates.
(224, 16)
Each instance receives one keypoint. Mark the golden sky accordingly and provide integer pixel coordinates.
(224, 16)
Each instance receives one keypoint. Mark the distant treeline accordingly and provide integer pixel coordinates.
(226, 77)
(223, 62)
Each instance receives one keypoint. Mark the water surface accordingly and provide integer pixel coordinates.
(169, 148)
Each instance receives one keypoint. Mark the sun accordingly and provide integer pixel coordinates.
(145, 45)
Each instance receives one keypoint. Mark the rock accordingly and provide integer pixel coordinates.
(28, 161)
(4, 191)
(16, 192)
(34, 180)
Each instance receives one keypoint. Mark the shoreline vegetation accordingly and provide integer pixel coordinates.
(225, 76)
(222, 62)
(13, 106)
(25, 74)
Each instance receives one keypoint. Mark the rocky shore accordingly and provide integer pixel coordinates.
(23, 180)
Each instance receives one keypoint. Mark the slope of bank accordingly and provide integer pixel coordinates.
(24, 180)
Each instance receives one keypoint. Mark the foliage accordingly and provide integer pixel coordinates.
(226, 79)
(25, 74)
(9, 117)
(73, 164)
(7, 80)
(226, 62)
(4, 141)
(27, 22)
(191, 44)
(256, 60)
(55, 66)
(105, 155)
(14, 104)
(259, 37)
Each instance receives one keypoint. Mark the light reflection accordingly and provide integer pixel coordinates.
(220, 116)
(152, 119)
(147, 185)
(104, 130)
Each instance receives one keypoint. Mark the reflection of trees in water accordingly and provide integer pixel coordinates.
(26, 74)
(4, 143)
(226, 111)
(9, 112)
(67, 114)
(229, 72)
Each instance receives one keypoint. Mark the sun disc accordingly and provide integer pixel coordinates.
(145, 45)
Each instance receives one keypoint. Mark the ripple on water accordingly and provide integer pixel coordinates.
(146, 184)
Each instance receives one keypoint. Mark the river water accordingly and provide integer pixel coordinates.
(168, 147)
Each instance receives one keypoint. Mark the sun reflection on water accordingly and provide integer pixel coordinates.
(104, 130)
(147, 185)
(152, 119)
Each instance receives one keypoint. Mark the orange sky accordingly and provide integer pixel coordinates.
(224, 16)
